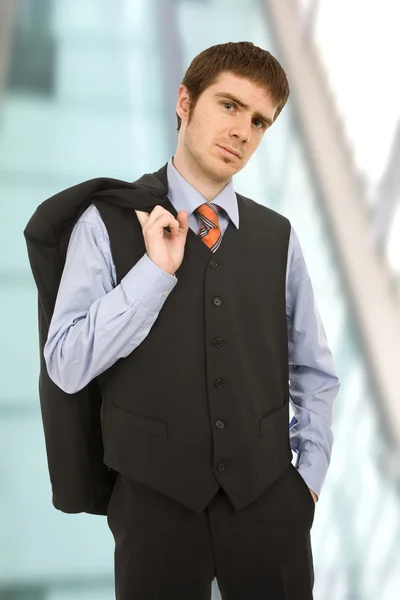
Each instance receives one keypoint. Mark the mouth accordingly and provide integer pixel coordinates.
(229, 152)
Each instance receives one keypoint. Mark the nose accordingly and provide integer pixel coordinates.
(242, 129)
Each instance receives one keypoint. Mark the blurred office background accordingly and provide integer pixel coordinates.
(88, 88)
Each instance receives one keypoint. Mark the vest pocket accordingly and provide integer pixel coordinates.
(142, 424)
(269, 423)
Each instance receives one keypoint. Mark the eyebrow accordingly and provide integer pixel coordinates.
(257, 114)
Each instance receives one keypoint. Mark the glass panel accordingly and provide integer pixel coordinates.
(104, 114)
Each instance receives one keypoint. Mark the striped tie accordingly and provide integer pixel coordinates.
(209, 230)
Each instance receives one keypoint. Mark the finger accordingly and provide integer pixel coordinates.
(142, 216)
(166, 219)
(146, 218)
(162, 217)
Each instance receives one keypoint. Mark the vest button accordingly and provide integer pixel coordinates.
(221, 466)
(220, 424)
(218, 342)
(213, 263)
(219, 383)
(217, 301)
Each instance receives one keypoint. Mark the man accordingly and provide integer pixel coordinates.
(194, 318)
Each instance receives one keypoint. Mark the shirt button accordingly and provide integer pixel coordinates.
(166, 292)
(221, 466)
(220, 424)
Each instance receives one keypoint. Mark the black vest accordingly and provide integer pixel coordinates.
(203, 401)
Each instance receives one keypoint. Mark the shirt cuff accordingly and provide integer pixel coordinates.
(313, 467)
(148, 284)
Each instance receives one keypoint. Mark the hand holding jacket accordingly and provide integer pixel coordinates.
(165, 248)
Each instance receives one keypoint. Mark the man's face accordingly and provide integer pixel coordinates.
(217, 120)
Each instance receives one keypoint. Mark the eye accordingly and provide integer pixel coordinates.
(228, 103)
(262, 124)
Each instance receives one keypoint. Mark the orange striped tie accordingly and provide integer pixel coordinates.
(209, 230)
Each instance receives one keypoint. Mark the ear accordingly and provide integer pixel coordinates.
(183, 103)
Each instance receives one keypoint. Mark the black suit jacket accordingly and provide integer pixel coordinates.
(80, 480)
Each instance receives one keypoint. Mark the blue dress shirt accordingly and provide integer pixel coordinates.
(96, 322)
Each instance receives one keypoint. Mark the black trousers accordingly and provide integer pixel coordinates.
(165, 551)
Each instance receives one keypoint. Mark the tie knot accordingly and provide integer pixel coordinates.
(209, 211)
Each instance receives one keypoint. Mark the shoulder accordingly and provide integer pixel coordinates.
(262, 210)
(93, 225)
(91, 216)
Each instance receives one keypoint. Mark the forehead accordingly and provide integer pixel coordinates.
(230, 82)
(252, 96)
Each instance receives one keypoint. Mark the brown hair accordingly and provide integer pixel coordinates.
(243, 59)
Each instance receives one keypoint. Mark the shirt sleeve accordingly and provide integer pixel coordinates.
(313, 383)
(96, 322)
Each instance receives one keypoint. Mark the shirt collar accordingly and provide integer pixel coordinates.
(184, 196)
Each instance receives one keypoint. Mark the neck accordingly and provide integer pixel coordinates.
(193, 174)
